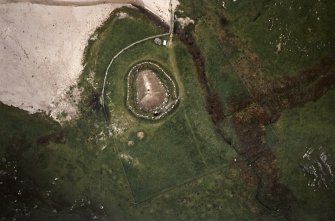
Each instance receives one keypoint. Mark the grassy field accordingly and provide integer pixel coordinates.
(77, 170)
(89, 178)
(287, 36)
(313, 126)
(239, 43)
(248, 46)
(191, 145)
(222, 77)
(182, 169)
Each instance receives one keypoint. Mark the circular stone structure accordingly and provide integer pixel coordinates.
(151, 92)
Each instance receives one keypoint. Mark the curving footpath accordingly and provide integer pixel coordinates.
(118, 54)
(97, 2)
(170, 33)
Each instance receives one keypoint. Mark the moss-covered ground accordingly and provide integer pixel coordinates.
(185, 137)
(255, 80)
(181, 170)
(310, 126)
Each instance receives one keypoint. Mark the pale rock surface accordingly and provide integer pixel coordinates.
(41, 51)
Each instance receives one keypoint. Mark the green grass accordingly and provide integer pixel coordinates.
(304, 28)
(183, 170)
(167, 157)
(258, 26)
(217, 52)
(181, 153)
(221, 75)
(185, 137)
(85, 172)
(312, 125)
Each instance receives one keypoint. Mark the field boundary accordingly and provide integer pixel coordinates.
(167, 189)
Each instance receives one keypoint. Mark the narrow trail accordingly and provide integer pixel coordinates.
(118, 54)
(173, 62)
(170, 33)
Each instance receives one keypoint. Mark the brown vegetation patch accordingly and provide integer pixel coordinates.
(94, 101)
(57, 138)
(249, 127)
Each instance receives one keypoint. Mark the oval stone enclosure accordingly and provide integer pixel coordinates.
(151, 92)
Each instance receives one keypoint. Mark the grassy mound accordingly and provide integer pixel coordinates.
(150, 99)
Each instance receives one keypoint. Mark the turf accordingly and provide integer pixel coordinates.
(221, 75)
(303, 28)
(309, 126)
(182, 170)
(175, 138)
(181, 153)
